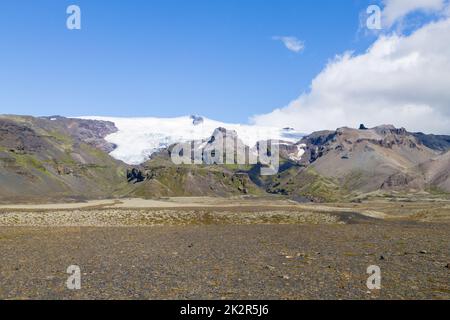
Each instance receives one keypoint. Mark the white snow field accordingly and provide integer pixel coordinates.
(138, 138)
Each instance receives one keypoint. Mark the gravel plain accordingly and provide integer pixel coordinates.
(220, 253)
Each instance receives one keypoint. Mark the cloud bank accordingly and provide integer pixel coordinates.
(400, 80)
(395, 10)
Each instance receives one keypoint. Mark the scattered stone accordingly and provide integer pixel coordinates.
(448, 266)
(286, 277)
(289, 257)
(382, 258)
(423, 252)
(270, 268)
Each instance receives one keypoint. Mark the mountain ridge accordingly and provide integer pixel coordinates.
(67, 159)
(138, 138)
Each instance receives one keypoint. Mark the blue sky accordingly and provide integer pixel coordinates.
(168, 58)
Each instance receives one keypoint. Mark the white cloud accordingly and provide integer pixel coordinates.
(396, 10)
(447, 10)
(292, 43)
(400, 80)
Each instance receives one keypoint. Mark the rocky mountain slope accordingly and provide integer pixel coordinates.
(61, 159)
(56, 158)
(350, 162)
(435, 173)
(159, 176)
(150, 135)
(42, 159)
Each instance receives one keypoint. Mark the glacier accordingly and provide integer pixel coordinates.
(138, 138)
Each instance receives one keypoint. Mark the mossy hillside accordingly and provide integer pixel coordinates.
(310, 184)
(193, 180)
(436, 191)
(58, 165)
(63, 140)
(28, 161)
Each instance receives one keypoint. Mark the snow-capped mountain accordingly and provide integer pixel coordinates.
(138, 138)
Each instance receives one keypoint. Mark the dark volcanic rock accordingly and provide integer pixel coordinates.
(363, 127)
(435, 142)
(135, 175)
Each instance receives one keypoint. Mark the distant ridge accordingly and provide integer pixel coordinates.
(138, 138)
(54, 158)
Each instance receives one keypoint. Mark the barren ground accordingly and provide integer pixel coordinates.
(206, 248)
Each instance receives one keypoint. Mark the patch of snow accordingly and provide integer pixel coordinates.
(300, 153)
(138, 138)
